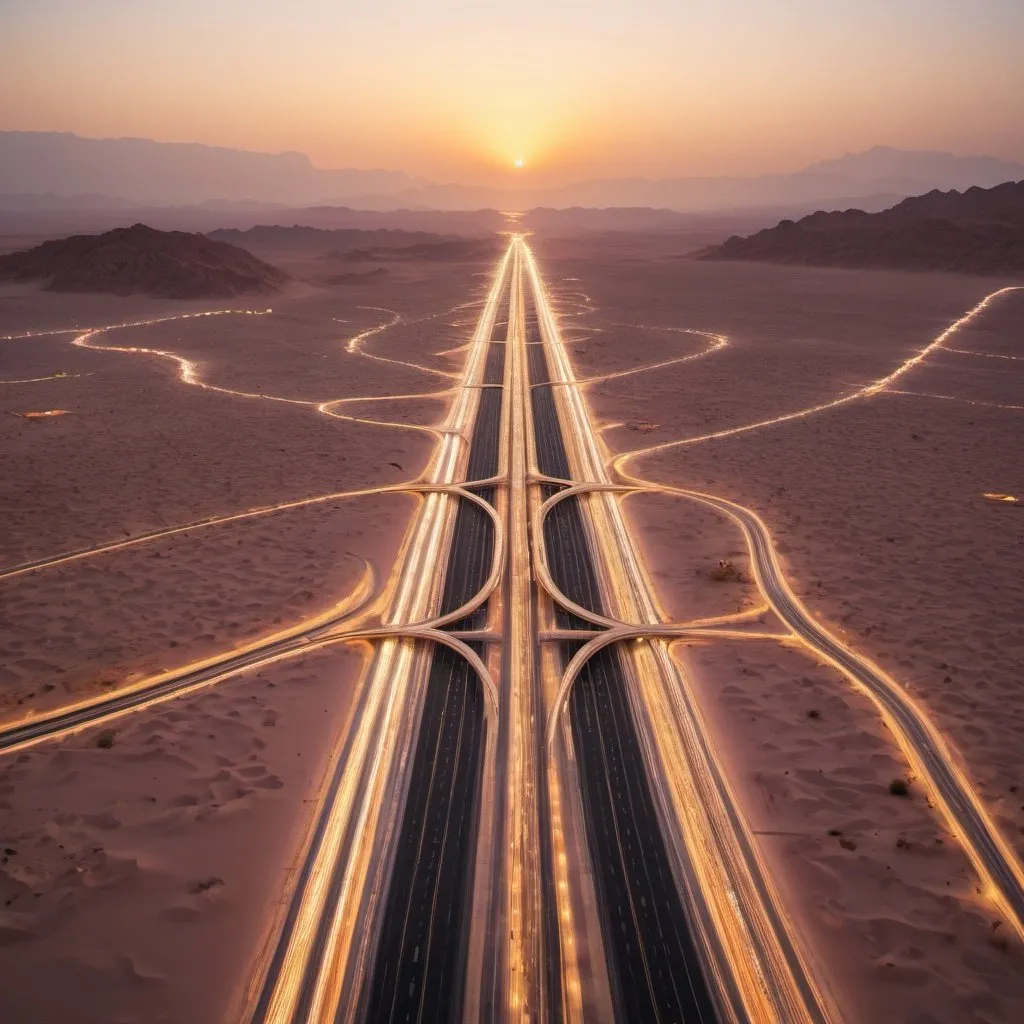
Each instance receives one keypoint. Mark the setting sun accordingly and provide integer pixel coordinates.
(514, 587)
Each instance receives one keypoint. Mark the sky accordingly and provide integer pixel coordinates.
(575, 89)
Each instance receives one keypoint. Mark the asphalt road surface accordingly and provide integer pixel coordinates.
(655, 970)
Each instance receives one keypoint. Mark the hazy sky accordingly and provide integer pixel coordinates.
(576, 88)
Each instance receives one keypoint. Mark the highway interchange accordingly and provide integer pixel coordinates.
(526, 820)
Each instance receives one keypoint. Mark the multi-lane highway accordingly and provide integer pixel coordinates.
(654, 968)
(526, 820)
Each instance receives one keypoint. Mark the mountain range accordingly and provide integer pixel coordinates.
(977, 231)
(49, 171)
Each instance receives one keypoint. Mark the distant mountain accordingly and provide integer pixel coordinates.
(457, 251)
(325, 241)
(895, 170)
(978, 231)
(354, 245)
(575, 219)
(39, 170)
(872, 180)
(164, 173)
(140, 260)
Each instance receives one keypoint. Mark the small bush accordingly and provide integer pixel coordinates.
(726, 573)
(105, 740)
(899, 787)
(814, 714)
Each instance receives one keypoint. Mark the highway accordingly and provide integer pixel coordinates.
(748, 955)
(408, 774)
(656, 973)
(526, 819)
(423, 945)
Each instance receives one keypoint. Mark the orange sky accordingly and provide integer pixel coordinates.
(458, 90)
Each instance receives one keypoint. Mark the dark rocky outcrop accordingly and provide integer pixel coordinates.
(978, 231)
(143, 261)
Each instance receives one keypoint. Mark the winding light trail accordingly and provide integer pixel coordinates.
(356, 344)
(718, 341)
(957, 398)
(36, 380)
(52, 561)
(189, 373)
(929, 754)
(748, 948)
(874, 388)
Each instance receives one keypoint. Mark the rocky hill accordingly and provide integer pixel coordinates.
(141, 260)
(978, 231)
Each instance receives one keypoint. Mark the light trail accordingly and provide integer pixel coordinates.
(957, 398)
(882, 384)
(189, 373)
(986, 355)
(523, 910)
(136, 323)
(36, 380)
(750, 951)
(922, 744)
(102, 709)
(318, 965)
(718, 342)
(40, 334)
(52, 561)
(356, 344)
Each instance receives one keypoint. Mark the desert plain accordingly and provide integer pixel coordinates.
(149, 863)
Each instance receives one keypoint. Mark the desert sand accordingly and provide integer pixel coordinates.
(148, 862)
(131, 863)
(876, 506)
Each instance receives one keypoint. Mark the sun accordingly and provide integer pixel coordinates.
(520, 162)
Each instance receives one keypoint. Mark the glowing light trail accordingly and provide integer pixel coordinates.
(189, 373)
(874, 388)
(718, 341)
(36, 380)
(752, 958)
(357, 825)
(957, 398)
(119, 545)
(185, 679)
(918, 738)
(986, 355)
